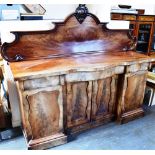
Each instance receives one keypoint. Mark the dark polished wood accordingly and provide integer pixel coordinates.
(2, 117)
(77, 35)
(32, 69)
(90, 78)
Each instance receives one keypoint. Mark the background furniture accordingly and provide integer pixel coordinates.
(151, 85)
(143, 28)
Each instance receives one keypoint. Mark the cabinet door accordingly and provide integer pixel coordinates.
(43, 112)
(104, 97)
(130, 103)
(133, 27)
(152, 47)
(143, 36)
(78, 103)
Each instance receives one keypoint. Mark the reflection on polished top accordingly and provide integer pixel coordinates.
(67, 39)
(64, 65)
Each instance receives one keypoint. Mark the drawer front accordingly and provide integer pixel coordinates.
(89, 76)
(146, 18)
(137, 67)
(129, 17)
(117, 16)
(41, 82)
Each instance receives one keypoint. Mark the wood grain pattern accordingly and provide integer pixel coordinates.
(104, 97)
(134, 91)
(67, 39)
(131, 98)
(85, 104)
(137, 67)
(78, 103)
(89, 80)
(43, 112)
(40, 68)
(47, 142)
(41, 82)
(94, 75)
(2, 117)
(39, 112)
(89, 125)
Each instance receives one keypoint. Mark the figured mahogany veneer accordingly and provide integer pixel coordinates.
(92, 77)
(57, 66)
(68, 38)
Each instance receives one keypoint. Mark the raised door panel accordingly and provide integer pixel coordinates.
(104, 97)
(43, 112)
(134, 93)
(144, 31)
(78, 103)
(152, 46)
(131, 96)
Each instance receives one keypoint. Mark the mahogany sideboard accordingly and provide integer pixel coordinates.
(75, 77)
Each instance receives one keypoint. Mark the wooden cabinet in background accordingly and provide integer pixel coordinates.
(142, 26)
(144, 37)
(152, 46)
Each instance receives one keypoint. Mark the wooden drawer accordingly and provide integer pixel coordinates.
(89, 76)
(146, 18)
(137, 67)
(116, 16)
(129, 17)
(41, 82)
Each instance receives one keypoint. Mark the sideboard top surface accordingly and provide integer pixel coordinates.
(58, 66)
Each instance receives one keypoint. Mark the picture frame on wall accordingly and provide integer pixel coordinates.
(34, 8)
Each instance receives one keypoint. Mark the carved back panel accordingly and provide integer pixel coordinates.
(80, 33)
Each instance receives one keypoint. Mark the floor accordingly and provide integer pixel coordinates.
(136, 135)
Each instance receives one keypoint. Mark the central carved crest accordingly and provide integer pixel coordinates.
(81, 13)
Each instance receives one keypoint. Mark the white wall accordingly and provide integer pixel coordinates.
(59, 11)
(102, 11)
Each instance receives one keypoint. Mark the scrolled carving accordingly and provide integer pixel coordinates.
(5, 46)
(81, 13)
(18, 57)
(67, 39)
(133, 42)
